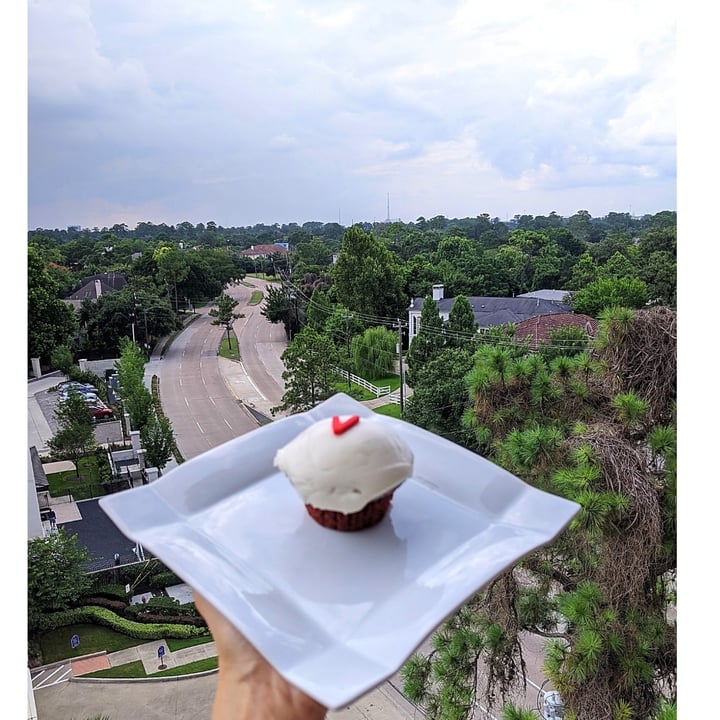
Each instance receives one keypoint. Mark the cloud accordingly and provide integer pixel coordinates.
(180, 108)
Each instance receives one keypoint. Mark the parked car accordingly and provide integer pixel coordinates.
(82, 392)
(67, 384)
(100, 412)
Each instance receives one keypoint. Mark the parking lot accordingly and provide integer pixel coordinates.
(106, 431)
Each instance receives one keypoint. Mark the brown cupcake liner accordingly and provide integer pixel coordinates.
(368, 516)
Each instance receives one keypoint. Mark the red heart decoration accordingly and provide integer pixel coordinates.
(340, 426)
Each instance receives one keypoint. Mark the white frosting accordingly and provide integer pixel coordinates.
(345, 472)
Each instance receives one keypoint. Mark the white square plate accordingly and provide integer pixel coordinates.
(337, 613)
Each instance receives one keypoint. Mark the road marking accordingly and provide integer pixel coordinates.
(186, 400)
(228, 424)
(198, 424)
(250, 380)
(212, 400)
(48, 681)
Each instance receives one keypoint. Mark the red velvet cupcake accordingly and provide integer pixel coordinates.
(346, 470)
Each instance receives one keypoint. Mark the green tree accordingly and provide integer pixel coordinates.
(137, 399)
(368, 277)
(50, 321)
(223, 314)
(172, 268)
(278, 307)
(601, 434)
(428, 341)
(440, 394)
(311, 362)
(157, 440)
(75, 436)
(62, 359)
(606, 293)
(461, 328)
(375, 352)
(56, 578)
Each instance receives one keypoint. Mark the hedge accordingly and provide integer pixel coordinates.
(107, 618)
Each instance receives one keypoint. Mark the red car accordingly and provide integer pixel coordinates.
(101, 411)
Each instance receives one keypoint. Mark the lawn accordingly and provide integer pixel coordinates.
(391, 410)
(56, 644)
(137, 670)
(230, 349)
(255, 298)
(87, 485)
(360, 393)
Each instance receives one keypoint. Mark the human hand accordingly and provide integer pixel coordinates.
(248, 686)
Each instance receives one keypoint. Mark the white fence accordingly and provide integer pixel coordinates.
(377, 391)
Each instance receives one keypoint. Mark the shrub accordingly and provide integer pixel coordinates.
(117, 606)
(107, 618)
(163, 579)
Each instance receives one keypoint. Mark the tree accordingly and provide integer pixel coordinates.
(50, 321)
(276, 307)
(157, 440)
(172, 268)
(224, 314)
(62, 359)
(602, 434)
(461, 328)
(375, 352)
(440, 394)
(428, 341)
(56, 577)
(368, 278)
(137, 399)
(605, 293)
(75, 436)
(311, 362)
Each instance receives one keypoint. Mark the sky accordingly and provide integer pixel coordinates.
(285, 111)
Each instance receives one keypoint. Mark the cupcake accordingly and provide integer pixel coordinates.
(346, 469)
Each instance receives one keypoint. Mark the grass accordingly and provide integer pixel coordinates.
(255, 298)
(137, 670)
(87, 485)
(230, 349)
(391, 410)
(360, 393)
(55, 644)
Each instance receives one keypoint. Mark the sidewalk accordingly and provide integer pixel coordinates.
(382, 703)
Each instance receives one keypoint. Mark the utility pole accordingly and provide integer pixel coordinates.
(402, 377)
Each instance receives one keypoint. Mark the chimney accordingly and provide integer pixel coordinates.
(98, 289)
(438, 292)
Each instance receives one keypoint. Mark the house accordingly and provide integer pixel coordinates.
(258, 251)
(96, 285)
(489, 311)
(537, 329)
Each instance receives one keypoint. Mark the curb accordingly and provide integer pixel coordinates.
(166, 678)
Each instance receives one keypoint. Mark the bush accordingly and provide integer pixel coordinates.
(107, 618)
(111, 592)
(164, 579)
(117, 606)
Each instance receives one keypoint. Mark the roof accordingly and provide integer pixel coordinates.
(113, 280)
(38, 471)
(263, 250)
(491, 311)
(555, 295)
(538, 328)
(89, 291)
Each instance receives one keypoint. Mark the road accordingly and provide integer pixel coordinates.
(194, 392)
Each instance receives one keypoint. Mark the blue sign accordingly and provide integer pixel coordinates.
(74, 641)
(161, 651)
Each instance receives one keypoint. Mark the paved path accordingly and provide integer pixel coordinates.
(61, 691)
